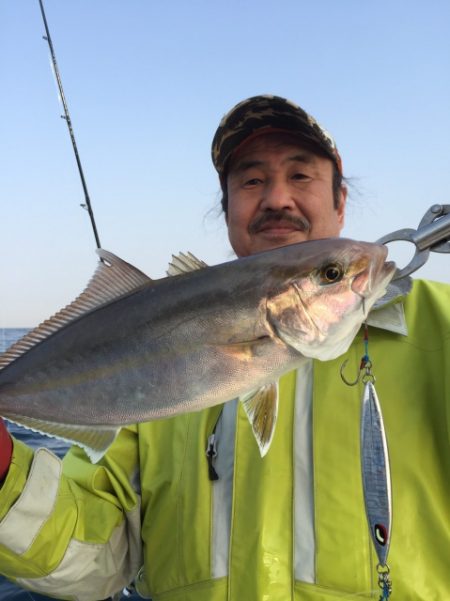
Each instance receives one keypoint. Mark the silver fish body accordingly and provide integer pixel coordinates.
(376, 473)
(130, 349)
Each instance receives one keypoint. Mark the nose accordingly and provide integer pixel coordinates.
(276, 196)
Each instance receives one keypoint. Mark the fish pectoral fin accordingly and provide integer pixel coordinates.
(94, 440)
(261, 407)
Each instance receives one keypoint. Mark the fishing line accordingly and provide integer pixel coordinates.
(87, 205)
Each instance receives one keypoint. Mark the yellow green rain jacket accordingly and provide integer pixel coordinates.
(291, 526)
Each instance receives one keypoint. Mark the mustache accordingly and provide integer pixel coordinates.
(275, 217)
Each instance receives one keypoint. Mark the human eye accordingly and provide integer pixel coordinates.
(299, 176)
(252, 181)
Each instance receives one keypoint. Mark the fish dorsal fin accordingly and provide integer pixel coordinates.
(184, 263)
(112, 278)
(261, 407)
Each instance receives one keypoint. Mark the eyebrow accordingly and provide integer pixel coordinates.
(302, 158)
(244, 165)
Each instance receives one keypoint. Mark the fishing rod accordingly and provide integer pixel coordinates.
(68, 120)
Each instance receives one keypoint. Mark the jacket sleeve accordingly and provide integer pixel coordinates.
(69, 528)
(5, 450)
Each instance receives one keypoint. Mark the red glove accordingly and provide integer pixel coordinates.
(6, 447)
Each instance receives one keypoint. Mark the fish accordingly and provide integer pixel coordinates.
(130, 349)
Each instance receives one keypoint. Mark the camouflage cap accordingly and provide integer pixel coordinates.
(265, 113)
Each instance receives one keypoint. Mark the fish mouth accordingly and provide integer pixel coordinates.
(371, 283)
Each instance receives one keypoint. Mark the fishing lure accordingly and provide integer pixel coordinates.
(375, 470)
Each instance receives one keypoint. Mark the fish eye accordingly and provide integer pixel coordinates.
(331, 273)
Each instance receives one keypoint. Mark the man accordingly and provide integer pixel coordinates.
(291, 525)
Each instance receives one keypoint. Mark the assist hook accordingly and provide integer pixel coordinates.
(364, 373)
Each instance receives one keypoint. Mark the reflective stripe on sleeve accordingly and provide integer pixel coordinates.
(26, 517)
(91, 571)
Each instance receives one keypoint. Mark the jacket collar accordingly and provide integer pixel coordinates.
(388, 312)
(390, 317)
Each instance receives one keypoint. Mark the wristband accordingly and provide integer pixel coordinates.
(6, 447)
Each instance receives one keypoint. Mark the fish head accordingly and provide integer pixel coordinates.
(322, 306)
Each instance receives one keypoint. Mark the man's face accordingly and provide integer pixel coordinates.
(279, 193)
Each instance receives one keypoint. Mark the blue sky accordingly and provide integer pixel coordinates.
(147, 83)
